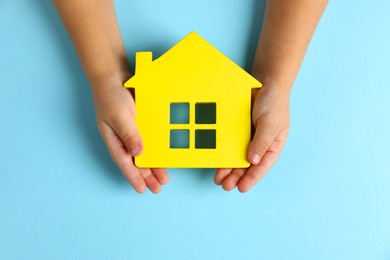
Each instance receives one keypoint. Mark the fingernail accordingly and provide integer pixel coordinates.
(134, 150)
(255, 158)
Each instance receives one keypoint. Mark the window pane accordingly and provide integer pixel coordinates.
(205, 139)
(179, 113)
(205, 113)
(179, 139)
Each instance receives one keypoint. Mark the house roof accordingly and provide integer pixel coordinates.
(192, 58)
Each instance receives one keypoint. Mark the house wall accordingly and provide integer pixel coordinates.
(232, 129)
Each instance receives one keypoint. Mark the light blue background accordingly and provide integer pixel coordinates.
(328, 197)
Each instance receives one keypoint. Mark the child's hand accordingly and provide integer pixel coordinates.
(285, 35)
(115, 114)
(271, 119)
(94, 30)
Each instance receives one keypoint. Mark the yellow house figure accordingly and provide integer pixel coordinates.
(212, 96)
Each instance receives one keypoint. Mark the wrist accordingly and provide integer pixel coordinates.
(273, 88)
(103, 82)
(275, 84)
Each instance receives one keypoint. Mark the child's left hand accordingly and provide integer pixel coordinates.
(271, 118)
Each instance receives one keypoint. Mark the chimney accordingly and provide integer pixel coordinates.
(142, 60)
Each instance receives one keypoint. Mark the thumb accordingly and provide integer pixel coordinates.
(125, 127)
(264, 136)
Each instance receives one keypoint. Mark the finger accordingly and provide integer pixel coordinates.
(124, 125)
(122, 157)
(256, 172)
(161, 175)
(151, 182)
(266, 132)
(220, 175)
(132, 174)
(230, 182)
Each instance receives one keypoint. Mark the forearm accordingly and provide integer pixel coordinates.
(287, 30)
(94, 31)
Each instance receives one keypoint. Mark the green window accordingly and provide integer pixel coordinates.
(201, 127)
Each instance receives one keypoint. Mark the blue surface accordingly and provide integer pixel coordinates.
(328, 197)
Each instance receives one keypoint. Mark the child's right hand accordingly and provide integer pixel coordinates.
(115, 115)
